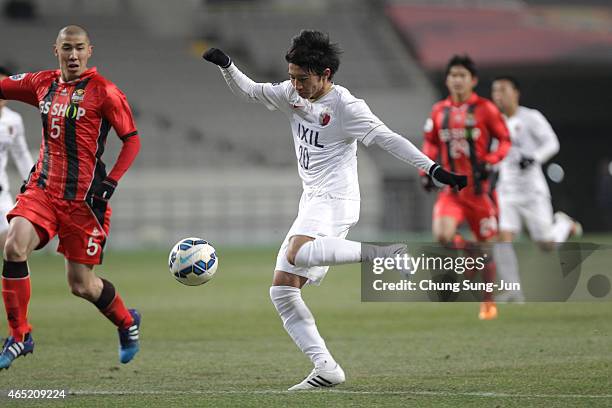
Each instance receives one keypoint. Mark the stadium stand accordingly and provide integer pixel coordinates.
(205, 153)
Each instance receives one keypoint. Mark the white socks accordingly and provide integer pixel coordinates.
(507, 264)
(326, 251)
(300, 324)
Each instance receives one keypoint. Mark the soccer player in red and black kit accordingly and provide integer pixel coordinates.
(461, 130)
(68, 189)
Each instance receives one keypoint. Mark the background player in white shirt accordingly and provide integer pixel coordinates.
(522, 192)
(326, 121)
(12, 139)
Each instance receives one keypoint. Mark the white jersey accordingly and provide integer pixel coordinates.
(532, 136)
(12, 139)
(324, 141)
(325, 133)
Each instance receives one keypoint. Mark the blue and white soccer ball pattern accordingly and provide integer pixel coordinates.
(193, 261)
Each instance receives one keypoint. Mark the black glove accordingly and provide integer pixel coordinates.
(427, 183)
(526, 162)
(442, 176)
(105, 190)
(483, 171)
(100, 196)
(217, 57)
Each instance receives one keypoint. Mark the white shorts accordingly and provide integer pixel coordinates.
(535, 210)
(319, 216)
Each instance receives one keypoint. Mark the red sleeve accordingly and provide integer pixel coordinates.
(498, 129)
(117, 111)
(431, 143)
(20, 87)
(128, 153)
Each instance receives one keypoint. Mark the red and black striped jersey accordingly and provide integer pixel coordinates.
(462, 135)
(76, 118)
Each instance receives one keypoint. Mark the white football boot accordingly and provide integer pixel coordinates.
(319, 378)
(369, 252)
(576, 230)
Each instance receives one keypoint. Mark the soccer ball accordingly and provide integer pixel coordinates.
(193, 261)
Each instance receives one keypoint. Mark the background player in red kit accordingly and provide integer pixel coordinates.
(461, 130)
(68, 189)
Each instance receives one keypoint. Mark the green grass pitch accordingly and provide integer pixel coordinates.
(223, 345)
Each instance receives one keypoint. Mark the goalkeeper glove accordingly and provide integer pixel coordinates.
(526, 162)
(217, 57)
(440, 177)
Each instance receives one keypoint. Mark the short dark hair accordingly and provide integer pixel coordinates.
(73, 29)
(312, 51)
(462, 61)
(4, 71)
(515, 83)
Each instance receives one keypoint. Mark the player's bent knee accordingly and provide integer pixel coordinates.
(291, 256)
(444, 229)
(292, 252)
(444, 236)
(83, 290)
(14, 251)
(78, 290)
(295, 244)
(21, 240)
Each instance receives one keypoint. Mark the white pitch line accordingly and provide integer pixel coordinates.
(275, 392)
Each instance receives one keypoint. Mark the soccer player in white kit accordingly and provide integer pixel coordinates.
(522, 192)
(12, 139)
(326, 121)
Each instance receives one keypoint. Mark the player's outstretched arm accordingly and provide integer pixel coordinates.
(240, 84)
(217, 57)
(442, 177)
(404, 150)
(272, 96)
